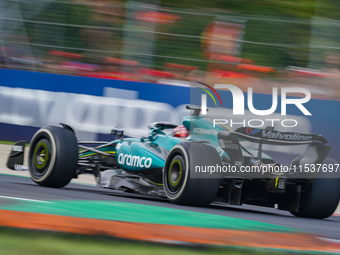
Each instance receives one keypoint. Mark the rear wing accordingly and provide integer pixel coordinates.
(270, 136)
(316, 153)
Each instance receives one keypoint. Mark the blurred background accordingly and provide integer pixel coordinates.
(163, 41)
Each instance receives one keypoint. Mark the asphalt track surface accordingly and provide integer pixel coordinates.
(25, 188)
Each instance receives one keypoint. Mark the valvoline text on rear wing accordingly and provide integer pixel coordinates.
(270, 136)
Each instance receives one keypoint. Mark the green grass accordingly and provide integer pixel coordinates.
(6, 142)
(27, 144)
(29, 242)
(10, 143)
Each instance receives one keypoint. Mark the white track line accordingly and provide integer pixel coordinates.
(25, 199)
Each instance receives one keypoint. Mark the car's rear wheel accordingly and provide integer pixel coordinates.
(180, 185)
(319, 199)
(53, 156)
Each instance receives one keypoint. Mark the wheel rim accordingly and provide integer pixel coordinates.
(41, 157)
(175, 174)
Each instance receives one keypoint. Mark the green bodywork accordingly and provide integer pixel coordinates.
(138, 154)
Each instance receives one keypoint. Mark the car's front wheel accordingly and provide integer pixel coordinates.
(53, 156)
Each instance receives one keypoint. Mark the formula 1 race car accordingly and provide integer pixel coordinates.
(174, 165)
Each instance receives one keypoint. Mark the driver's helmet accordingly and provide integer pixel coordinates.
(181, 132)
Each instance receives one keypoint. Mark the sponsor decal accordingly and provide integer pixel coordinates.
(285, 136)
(118, 145)
(228, 144)
(20, 167)
(135, 161)
(17, 148)
(86, 113)
(252, 131)
(204, 131)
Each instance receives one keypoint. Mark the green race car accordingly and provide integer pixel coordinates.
(194, 164)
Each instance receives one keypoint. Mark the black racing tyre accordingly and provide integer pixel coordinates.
(320, 198)
(53, 156)
(179, 185)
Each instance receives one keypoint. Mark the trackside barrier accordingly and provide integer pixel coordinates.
(29, 100)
